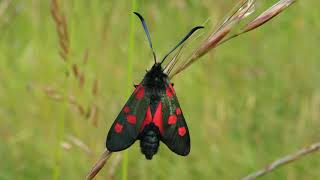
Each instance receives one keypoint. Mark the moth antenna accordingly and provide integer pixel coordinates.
(145, 27)
(182, 41)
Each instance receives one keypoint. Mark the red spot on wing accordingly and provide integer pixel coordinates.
(178, 111)
(182, 131)
(118, 128)
(126, 109)
(157, 119)
(170, 91)
(147, 118)
(132, 119)
(139, 92)
(172, 119)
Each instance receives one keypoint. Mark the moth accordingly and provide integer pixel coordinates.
(153, 113)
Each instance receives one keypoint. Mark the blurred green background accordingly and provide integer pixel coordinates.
(249, 102)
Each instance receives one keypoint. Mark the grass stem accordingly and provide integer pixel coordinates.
(125, 161)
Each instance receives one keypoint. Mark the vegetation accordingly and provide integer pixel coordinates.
(249, 102)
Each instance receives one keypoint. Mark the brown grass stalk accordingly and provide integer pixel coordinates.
(263, 18)
(55, 95)
(99, 164)
(241, 11)
(81, 78)
(94, 115)
(77, 142)
(73, 101)
(95, 87)
(220, 36)
(284, 161)
(62, 29)
(75, 70)
(52, 93)
(268, 15)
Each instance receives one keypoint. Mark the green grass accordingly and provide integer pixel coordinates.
(250, 102)
(131, 43)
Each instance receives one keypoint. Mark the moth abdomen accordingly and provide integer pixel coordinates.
(149, 140)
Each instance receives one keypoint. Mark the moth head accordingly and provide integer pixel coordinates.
(145, 27)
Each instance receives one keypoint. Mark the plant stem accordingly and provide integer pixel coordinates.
(60, 133)
(284, 160)
(129, 80)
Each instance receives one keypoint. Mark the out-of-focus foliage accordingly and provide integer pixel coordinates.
(247, 103)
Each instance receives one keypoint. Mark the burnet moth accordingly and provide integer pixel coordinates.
(152, 113)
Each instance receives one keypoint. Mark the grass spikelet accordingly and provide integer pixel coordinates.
(62, 29)
(242, 12)
(75, 70)
(94, 115)
(268, 15)
(95, 87)
(220, 36)
(53, 93)
(81, 78)
(79, 143)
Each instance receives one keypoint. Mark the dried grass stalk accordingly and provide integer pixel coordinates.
(220, 36)
(55, 95)
(285, 160)
(81, 78)
(72, 100)
(76, 141)
(94, 115)
(242, 10)
(95, 87)
(75, 70)
(52, 93)
(81, 110)
(62, 28)
(268, 15)
(99, 164)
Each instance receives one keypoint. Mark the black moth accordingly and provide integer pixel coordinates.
(152, 113)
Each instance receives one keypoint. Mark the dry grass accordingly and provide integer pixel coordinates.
(241, 11)
(285, 161)
(258, 96)
(91, 112)
(99, 164)
(61, 28)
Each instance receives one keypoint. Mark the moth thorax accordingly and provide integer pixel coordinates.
(149, 140)
(155, 78)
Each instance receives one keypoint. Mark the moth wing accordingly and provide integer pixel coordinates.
(175, 130)
(126, 128)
